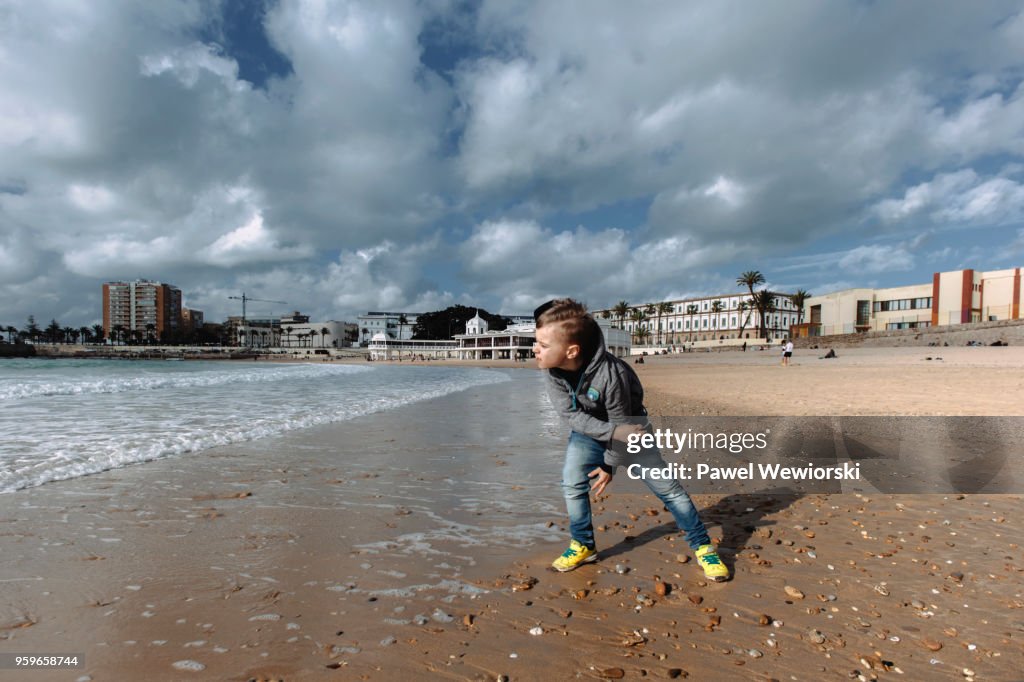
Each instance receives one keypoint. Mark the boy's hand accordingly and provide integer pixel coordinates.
(624, 431)
(602, 480)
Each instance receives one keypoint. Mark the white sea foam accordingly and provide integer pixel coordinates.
(44, 385)
(50, 436)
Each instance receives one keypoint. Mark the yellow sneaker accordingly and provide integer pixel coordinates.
(709, 560)
(573, 557)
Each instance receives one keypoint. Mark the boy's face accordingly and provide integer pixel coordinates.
(554, 351)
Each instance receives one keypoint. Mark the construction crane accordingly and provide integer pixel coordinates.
(243, 298)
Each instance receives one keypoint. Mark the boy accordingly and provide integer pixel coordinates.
(601, 398)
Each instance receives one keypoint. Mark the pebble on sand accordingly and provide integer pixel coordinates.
(793, 592)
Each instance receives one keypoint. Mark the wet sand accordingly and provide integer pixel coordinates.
(414, 544)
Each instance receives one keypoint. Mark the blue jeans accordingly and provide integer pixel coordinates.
(584, 454)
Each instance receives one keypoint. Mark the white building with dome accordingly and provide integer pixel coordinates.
(516, 341)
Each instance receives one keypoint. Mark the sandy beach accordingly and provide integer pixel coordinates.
(414, 544)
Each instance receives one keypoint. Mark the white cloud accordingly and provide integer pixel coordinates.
(876, 259)
(705, 134)
(524, 263)
(962, 197)
(91, 198)
(189, 63)
(252, 243)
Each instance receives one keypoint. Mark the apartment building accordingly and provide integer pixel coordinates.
(142, 308)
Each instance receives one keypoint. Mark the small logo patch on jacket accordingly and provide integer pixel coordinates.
(593, 393)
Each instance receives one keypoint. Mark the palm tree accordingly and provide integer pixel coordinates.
(764, 302)
(287, 331)
(85, 333)
(691, 310)
(117, 333)
(32, 329)
(52, 333)
(799, 299)
(716, 307)
(403, 322)
(11, 331)
(664, 308)
(621, 309)
(742, 308)
(98, 332)
(750, 279)
(324, 333)
(71, 333)
(639, 317)
(642, 335)
(150, 329)
(311, 333)
(650, 310)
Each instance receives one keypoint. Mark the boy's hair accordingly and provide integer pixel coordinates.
(576, 324)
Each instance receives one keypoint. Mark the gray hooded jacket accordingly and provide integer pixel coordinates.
(607, 394)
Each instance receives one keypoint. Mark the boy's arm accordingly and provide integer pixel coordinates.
(608, 432)
(619, 404)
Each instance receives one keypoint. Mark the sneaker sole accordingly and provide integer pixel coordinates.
(589, 560)
(718, 579)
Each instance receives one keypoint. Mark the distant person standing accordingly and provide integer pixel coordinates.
(787, 352)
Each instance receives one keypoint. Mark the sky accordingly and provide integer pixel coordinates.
(406, 156)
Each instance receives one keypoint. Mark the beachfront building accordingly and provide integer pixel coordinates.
(515, 342)
(292, 331)
(956, 297)
(141, 310)
(191, 319)
(389, 324)
(382, 347)
(709, 319)
(326, 334)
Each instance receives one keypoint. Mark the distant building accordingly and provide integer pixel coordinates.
(295, 318)
(191, 320)
(141, 308)
(291, 331)
(956, 297)
(697, 319)
(326, 334)
(389, 324)
(516, 341)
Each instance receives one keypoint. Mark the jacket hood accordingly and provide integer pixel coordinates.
(598, 353)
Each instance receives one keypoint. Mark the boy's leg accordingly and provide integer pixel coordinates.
(686, 516)
(582, 456)
(675, 498)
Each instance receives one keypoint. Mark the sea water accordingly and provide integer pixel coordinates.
(61, 419)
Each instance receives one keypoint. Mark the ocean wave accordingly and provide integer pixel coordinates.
(92, 384)
(103, 449)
